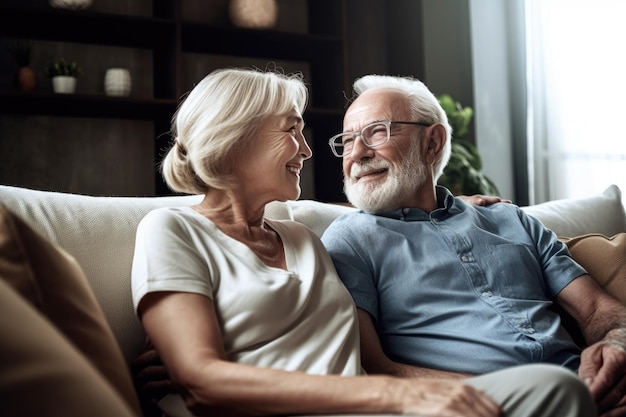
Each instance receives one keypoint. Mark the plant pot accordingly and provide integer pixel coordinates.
(26, 79)
(63, 84)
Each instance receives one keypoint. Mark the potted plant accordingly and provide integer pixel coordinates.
(26, 77)
(463, 173)
(63, 75)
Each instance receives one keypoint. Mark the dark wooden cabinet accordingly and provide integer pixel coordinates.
(169, 37)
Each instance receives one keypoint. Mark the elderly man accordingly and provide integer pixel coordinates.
(450, 290)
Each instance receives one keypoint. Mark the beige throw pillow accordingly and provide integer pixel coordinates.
(51, 281)
(604, 258)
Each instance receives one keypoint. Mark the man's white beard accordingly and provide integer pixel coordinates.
(401, 183)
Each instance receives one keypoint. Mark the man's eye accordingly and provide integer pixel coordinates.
(378, 130)
(347, 141)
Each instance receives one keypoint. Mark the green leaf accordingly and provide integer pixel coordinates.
(62, 67)
(463, 173)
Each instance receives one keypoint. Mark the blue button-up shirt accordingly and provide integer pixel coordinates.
(463, 288)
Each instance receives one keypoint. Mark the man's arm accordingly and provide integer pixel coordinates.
(602, 320)
(374, 360)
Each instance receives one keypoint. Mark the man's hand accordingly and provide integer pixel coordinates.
(152, 382)
(483, 200)
(603, 368)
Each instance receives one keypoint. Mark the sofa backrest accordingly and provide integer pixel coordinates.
(100, 233)
(602, 213)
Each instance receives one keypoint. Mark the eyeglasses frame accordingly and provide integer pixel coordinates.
(359, 133)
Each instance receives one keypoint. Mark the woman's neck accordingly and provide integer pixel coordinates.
(244, 222)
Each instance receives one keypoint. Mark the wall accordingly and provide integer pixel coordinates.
(467, 48)
(111, 156)
(432, 40)
(82, 155)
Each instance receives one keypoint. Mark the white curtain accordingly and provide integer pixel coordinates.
(576, 55)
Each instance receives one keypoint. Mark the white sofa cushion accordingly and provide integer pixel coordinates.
(602, 213)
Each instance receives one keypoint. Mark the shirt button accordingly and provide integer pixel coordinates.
(464, 258)
(405, 210)
(530, 330)
(486, 294)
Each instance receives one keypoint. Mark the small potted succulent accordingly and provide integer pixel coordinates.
(63, 75)
(26, 78)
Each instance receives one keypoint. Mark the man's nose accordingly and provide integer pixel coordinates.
(360, 150)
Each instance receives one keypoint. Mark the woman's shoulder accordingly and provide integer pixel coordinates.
(291, 228)
(168, 218)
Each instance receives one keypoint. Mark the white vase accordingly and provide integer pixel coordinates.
(63, 84)
(255, 14)
(117, 82)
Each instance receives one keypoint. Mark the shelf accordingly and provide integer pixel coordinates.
(81, 105)
(209, 39)
(85, 27)
(168, 36)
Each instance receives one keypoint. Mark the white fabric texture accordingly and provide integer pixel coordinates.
(299, 319)
(603, 213)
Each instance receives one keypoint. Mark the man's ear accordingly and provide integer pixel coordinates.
(435, 139)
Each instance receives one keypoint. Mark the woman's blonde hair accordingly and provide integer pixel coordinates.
(221, 115)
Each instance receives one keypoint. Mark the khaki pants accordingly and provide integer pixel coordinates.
(537, 391)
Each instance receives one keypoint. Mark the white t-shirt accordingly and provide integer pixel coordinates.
(299, 319)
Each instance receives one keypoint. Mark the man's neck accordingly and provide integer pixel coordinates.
(425, 198)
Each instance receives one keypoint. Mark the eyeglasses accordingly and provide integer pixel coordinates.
(372, 135)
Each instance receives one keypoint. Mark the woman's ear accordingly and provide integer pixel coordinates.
(435, 139)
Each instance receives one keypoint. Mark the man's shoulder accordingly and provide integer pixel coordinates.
(348, 224)
(353, 218)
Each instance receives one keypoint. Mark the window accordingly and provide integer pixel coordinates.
(576, 71)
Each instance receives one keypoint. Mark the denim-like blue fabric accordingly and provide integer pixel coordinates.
(463, 288)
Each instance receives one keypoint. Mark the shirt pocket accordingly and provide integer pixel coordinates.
(514, 272)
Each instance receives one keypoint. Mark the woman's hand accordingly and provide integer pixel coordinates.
(483, 200)
(446, 397)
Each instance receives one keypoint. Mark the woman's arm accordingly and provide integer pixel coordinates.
(185, 331)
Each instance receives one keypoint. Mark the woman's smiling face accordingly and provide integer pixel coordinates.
(271, 168)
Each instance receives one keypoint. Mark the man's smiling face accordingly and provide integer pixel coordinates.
(385, 177)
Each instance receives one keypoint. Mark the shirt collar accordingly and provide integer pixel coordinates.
(447, 205)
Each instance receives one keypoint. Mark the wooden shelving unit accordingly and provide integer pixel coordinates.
(169, 37)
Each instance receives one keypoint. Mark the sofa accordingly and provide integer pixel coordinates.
(99, 233)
